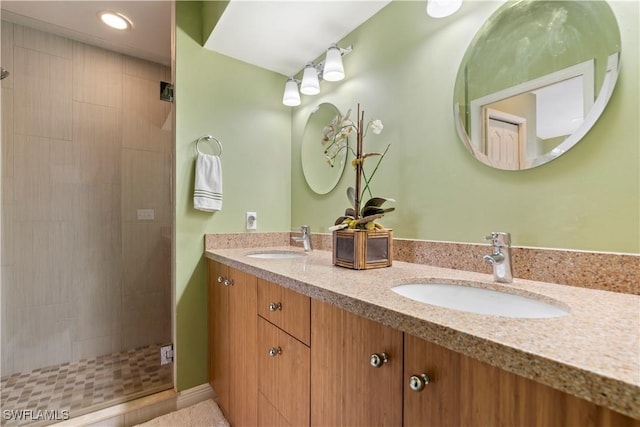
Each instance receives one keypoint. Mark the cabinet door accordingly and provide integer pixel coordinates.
(219, 357)
(243, 343)
(346, 390)
(288, 310)
(466, 392)
(283, 376)
(233, 334)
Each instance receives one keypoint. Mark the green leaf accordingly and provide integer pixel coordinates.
(377, 201)
(374, 210)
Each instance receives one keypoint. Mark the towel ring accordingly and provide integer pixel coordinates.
(208, 138)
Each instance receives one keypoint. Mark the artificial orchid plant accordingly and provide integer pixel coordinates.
(336, 134)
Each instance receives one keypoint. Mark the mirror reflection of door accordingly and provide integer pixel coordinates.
(506, 136)
(565, 53)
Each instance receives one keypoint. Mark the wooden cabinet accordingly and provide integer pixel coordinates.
(278, 358)
(466, 392)
(233, 341)
(346, 390)
(283, 356)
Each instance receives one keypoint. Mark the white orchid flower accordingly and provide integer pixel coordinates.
(377, 126)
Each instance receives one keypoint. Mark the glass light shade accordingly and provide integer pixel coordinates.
(291, 96)
(310, 84)
(115, 20)
(333, 69)
(442, 8)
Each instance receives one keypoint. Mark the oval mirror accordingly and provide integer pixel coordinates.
(321, 174)
(535, 79)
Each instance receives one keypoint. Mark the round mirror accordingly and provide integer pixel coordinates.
(322, 170)
(535, 79)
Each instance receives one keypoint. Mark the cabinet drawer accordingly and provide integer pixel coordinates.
(284, 366)
(288, 310)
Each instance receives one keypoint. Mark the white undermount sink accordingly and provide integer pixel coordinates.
(277, 255)
(479, 300)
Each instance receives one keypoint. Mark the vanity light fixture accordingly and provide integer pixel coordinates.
(291, 96)
(115, 20)
(331, 69)
(442, 8)
(310, 83)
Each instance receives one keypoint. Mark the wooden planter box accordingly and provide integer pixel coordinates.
(362, 249)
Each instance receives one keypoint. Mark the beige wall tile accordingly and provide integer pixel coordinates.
(6, 222)
(79, 281)
(50, 44)
(60, 93)
(146, 70)
(142, 175)
(6, 46)
(35, 284)
(92, 305)
(146, 319)
(31, 83)
(7, 133)
(8, 344)
(32, 189)
(62, 265)
(143, 122)
(145, 254)
(43, 83)
(42, 337)
(97, 132)
(88, 348)
(97, 75)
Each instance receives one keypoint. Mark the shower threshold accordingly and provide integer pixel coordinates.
(48, 395)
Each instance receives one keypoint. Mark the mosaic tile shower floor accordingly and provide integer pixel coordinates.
(47, 395)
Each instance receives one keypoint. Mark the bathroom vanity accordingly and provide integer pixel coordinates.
(298, 341)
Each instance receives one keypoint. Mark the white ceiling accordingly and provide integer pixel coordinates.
(281, 36)
(150, 37)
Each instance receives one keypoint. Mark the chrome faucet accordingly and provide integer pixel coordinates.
(305, 238)
(500, 259)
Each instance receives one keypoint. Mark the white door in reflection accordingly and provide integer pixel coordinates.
(506, 139)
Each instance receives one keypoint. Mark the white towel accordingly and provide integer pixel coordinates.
(207, 195)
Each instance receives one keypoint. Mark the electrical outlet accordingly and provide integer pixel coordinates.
(146, 214)
(251, 221)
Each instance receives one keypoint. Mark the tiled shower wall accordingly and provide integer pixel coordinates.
(86, 142)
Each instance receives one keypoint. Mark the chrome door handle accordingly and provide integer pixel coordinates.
(275, 306)
(418, 382)
(274, 351)
(377, 360)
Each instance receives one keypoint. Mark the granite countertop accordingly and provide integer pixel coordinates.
(593, 352)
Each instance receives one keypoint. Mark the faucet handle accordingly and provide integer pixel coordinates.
(499, 238)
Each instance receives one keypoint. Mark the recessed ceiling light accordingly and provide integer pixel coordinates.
(115, 20)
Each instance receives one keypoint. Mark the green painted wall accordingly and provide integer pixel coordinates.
(241, 105)
(402, 70)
